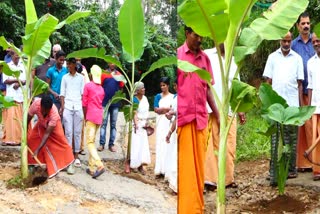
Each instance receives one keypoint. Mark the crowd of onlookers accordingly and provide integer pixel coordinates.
(76, 99)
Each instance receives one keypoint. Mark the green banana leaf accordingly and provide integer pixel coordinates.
(189, 68)
(160, 63)
(39, 86)
(6, 101)
(273, 26)
(131, 29)
(316, 29)
(31, 14)
(96, 53)
(73, 17)
(206, 17)
(6, 70)
(243, 96)
(35, 40)
(238, 12)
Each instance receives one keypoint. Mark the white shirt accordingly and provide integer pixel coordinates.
(285, 71)
(313, 67)
(16, 94)
(72, 90)
(214, 60)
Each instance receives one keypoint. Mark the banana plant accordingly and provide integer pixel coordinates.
(222, 21)
(36, 48)
(276, 110)
(131, 29)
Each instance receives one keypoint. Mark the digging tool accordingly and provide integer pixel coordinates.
(311, 148)
(43, 166)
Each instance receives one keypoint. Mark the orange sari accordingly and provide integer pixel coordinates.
(56, 153)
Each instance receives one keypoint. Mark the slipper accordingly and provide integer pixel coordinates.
(141, 170)
(292, 175)
(88, 171)
(77, 163)
(210, 187)
(232, 185)
(316, 177)
(304, 170)
(100, 148)
(98, 172)
(82, 152)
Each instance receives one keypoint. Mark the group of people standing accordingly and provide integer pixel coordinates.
(292, 70)
(69, 114)
(165, 105)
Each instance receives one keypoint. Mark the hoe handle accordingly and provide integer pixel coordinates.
(35, 157)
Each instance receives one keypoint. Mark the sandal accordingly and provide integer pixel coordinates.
(141, 170)
(292, 175)
(77, 163)
(316, 177)
(232, 185)
(99, 172)
(88, 171)
(100, 148)
(82, 152)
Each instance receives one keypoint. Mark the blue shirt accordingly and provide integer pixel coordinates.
(56, 76)
(156, 100)
(110, 87)
(306, 51)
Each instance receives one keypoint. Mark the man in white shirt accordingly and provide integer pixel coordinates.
(13, 115)
(71, 91)
(284, 71)
(211, 164)
(313, 66)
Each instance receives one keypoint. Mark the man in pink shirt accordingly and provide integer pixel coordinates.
(193, 94)
(93, 95)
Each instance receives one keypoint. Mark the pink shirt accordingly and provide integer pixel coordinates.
(93, 95)
(192, 91)
(50, 120)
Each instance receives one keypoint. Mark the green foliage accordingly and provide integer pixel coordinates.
(16, 182)
(243, 96)
(131, 29)
(276, 109)
(250, 144)
(269, 97)
(271, 27)
(39, 86)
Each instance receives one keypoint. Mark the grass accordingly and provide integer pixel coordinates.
(250, 144)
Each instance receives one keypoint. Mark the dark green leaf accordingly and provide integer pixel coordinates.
(243, 96)
(268, 97)
(297, 116)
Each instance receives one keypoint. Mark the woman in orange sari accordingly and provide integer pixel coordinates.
(46, 139)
